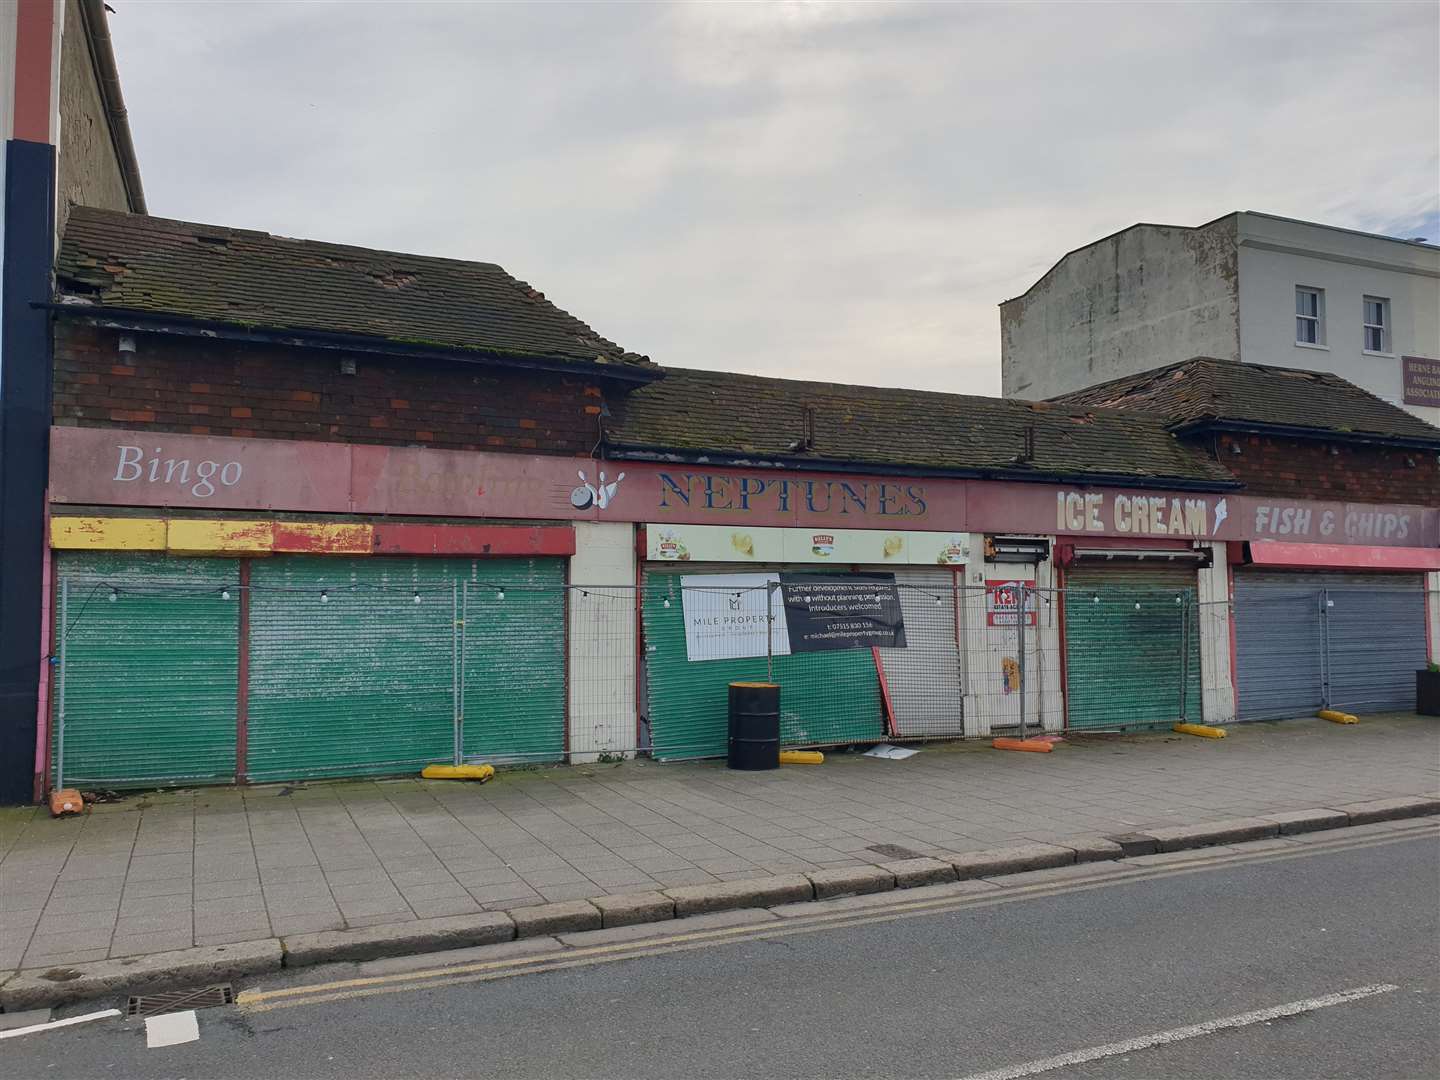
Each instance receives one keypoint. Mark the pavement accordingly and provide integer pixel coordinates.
(212, 867)
(1312, 956)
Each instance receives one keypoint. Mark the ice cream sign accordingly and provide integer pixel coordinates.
(1137, 515)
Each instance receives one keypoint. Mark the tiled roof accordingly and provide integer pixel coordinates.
(258, 281)
(1227, 391)
(748, 416)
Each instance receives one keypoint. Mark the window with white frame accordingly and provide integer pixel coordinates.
(1377, 324)
(1309, 316)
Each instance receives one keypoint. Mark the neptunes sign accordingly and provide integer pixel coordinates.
(1138, 515)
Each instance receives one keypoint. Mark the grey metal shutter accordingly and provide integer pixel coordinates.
(1279, 645)
(1304, 641)
(1376, 641)
(924, 677)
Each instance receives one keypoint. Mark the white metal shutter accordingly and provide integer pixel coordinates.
(924, 677)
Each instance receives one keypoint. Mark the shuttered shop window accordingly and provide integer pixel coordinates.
(365, 681)
(515, 660)
(826, 698)
(1307, 640)
(1130, 647)
(148, 691)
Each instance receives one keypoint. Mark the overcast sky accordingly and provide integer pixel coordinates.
(832, 191)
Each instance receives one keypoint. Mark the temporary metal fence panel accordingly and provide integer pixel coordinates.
(826, 698)
(513, 659)
(349, 674)
(145, 694)
(1279, 646)
(923, 680)
(1132, 647)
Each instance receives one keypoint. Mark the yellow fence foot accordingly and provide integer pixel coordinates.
(801, 757)
(1034, 746)
(1335, 716)
(458, 772)
(1205, 731)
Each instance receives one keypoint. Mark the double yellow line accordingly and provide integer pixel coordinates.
(257, 1001)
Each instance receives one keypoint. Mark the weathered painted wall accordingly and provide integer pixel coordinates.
(89, 169)
(1277, 255)
(1217, 686)
(602, 642)
(1145, 297)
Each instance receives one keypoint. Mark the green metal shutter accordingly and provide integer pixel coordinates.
(348, 675)
(826, 698)
(514, 653)
(365, 683)
(147, 694)
(1132, 641)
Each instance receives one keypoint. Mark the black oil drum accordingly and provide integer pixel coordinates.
(754, 725)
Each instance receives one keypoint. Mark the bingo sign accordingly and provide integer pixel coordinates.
(1002, 603)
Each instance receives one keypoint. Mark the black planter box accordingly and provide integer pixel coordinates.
(1427, 693)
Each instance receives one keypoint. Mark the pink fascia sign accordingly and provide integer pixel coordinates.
(119, 467)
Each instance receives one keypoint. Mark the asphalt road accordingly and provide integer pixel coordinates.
(946, 994)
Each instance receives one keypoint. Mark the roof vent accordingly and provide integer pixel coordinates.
(807, 432)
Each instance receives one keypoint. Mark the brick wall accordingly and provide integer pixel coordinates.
(205, 387)
(1311, 469)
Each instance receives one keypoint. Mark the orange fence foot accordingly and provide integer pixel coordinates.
(1034, 746)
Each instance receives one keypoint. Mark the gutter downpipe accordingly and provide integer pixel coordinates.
(102, 55)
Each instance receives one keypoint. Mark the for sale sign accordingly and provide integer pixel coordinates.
(842, 611)
(1002, 603)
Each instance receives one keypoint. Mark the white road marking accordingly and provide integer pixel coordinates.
(53, 1024)
(171, 1029)
(1191, 1031)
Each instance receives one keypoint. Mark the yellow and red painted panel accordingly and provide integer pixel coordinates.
(205, 536)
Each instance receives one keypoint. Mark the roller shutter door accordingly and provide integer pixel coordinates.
(1132, 646)
(1347, 641)
(147, 694)
(923, 678)
(367, 681)
(826, 698)
(1279, 646)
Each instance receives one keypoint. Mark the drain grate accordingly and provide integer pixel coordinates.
(894, 851)
(202, 997)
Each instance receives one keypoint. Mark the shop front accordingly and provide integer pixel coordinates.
(859, 627)
(263, 610)
(1329, 626)
(1132, 633)
(193, 651)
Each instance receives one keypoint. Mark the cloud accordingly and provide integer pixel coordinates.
(838, 191)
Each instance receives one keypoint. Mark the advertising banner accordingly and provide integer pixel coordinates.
(842, 611)
(726, 618)
(719, 543)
